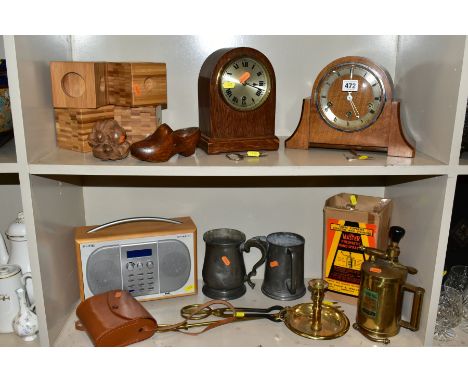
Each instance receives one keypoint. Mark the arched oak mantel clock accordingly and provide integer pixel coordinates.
(236, 102)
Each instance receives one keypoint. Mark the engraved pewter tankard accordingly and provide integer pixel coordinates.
(284, 266)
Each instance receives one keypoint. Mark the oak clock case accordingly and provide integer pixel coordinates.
(236, 102)
(352, 107)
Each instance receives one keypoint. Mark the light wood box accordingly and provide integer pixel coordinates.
(136, 84)
(74, 125)
(80, 85)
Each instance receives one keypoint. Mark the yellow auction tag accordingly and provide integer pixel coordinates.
(353, 199)
(328, 303)
(253, 153)
(229, 85)
(363, 157)
(189, 288)
(240, 314)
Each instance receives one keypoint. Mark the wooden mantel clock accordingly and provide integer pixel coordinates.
(352, 107)
(236, 102)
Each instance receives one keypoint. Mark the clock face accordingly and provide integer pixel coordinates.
(244, 83)
(350, 97)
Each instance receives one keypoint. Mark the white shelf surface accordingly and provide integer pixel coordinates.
(11, 339)
(8, 163)
(284, 162)
(253, 333)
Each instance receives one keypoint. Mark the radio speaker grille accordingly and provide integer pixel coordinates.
(103, 270)
(174, 265)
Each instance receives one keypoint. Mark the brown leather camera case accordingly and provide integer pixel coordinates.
(115, 318)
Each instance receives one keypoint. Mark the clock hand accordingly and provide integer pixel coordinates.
(253, 86)
(355, 109)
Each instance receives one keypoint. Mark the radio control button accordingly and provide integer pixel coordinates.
(130, 266)
(150, 264)
(139, 265)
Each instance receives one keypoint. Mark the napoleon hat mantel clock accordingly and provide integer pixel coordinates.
(352, 107)
(236, 102)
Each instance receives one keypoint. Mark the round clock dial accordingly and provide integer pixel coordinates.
(350, 97)
(244, 83)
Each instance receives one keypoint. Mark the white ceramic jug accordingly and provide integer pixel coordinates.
(16, 233)
(10, 280)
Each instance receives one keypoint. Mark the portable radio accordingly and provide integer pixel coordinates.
(152, 258)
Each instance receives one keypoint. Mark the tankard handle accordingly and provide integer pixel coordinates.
(261, 243)
(292, 287)
(416, 307)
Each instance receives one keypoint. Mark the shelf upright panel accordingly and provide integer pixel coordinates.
(29, 82)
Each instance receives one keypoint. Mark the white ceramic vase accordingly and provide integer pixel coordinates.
(25, 323)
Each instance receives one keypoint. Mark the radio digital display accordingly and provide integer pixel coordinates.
(139, 253)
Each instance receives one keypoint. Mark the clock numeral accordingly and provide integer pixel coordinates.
(253, 101)
(261, 83)
(372, 111)
(230, 74)
(245, 64)
(236, 66)
(335, 119)
(259, 74)
(229, 93)
(235, 100)
(377, 99)
(253, 66)
(347, 123)
(362, 121)
(374, 84)
(324, 97)
(244, 98)
(259, 92)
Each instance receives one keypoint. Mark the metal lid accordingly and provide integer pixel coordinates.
(9, 270)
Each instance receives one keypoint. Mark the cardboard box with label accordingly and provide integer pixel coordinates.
(351, 221)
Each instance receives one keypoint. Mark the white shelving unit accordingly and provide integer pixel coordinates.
(284, 191)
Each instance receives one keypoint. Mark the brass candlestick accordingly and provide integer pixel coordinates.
(317, 289)
(317, 320)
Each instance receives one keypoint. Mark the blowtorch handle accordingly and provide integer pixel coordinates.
(416, 308)
(373, 251)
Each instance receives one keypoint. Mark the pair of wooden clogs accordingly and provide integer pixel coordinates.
(164, 143)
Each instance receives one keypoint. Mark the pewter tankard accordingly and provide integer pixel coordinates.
(224, 272)
(284, 268)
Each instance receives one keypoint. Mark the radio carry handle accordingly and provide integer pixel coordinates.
(131, 220)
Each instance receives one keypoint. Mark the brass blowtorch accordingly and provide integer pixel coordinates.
(383, 283)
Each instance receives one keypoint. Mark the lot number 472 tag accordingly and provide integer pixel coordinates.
(350, 85)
